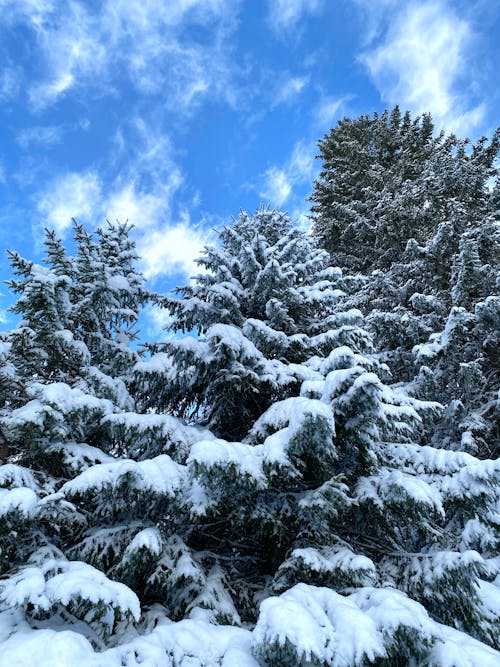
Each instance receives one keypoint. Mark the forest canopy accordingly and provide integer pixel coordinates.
(305, 470)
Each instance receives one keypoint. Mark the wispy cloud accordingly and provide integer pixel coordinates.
(145, 42)
(289, 89)
(285, 15)
(10, 82)
(278, 182)
(329, 109)
(71, 195)
(421, 60)
(43, 135)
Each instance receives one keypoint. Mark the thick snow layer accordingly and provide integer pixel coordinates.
(306, 621)
(189, 643)
(394, 487)
(291, 412)
(160, 475)
(247, 460)
(390, 609)
(12, 475)
(330, 560)
(232, 338)
(119, 282)
(80, 456)
(54, 398)
(66, 398)
(321, 626)
(161, 363)
(149, 539)
(456, 649)
(80, 580)
(65, 581)
(170, 429)
(19, 499)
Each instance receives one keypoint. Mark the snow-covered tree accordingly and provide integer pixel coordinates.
(307, 526)
(62, 384)
(386, 179)
(262, 306)
(329, 486)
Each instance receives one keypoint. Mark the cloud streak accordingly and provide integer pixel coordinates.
(278, 183)
(421, 62)
(147, 43)
(285, 15)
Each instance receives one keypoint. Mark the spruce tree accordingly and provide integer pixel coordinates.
(329, 487)
(386, 179)
(263, 305)
(310, 528)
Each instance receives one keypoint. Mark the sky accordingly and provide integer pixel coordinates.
(176, 114)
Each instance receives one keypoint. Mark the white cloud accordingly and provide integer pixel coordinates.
(279, 182)
(328, 110)
(145, 41)
(47, 135)
(277, 186)
(290, 89)
(156, 320)
(141, 209)
(172, 248)
(10, 83)
(422, 63)
(72, 195)
(286, 14)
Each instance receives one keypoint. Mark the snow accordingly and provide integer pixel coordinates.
(394, 486)
(51, 648)
(20, 499)
(53, 398)
(80, 456)
(119, 282)
(188, 643)
(316, 625)
(246, 459)
(391, 609)
(456, 649)
(160, 363)
(232, 338)
(160, 475)
(165, 431)
(287, 419)
(329, 560)
(26, 586)
(61, 581)
(67, 399)
(80, 580)
(149, 539)
(291, 412)
(13, 475)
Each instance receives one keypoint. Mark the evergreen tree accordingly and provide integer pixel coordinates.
(328, 487)
(386, 179)
(262, 306)
(312, 513)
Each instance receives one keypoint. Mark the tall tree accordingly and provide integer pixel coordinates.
(387, 178)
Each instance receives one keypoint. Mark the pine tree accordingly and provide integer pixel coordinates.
(312, 513)
(262, 306)
(51, 422)
(386, 179)
(328, 488)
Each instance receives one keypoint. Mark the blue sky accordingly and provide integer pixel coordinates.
(174, 114)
